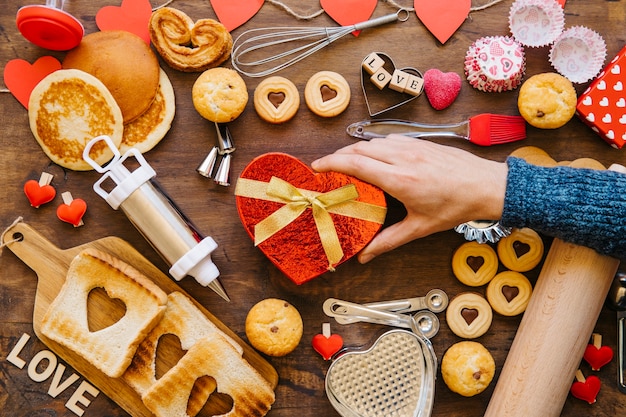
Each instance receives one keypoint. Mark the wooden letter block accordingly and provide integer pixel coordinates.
(399, 80)
(372, 63)
(415, 85)
(381, 78)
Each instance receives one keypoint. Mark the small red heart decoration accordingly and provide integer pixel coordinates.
(296, 249)
(132, 16)
(234, 13)
(72, 213)
(443, 17)
(21, 77)
(598, 357)
(37, 194)
(327, 346)
(349, 12)
(588, 390)
(441, 88)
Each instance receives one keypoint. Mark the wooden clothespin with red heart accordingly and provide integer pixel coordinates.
(327, 344)
(586, 389)
(72, 210)
(597, 355)
(40, 192)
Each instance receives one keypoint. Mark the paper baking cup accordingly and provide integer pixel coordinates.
(536, 23)
(495, 64)
(578, 54)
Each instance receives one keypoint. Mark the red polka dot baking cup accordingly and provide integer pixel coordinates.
(578, 54)
(495, 64)
(536, 23)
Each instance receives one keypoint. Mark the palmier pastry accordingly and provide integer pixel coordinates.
(509, 293)
(327, 93)
(276, 99)
(467, 368)
(474, 263)
(186, 46)
(469, 315)
(521, 251)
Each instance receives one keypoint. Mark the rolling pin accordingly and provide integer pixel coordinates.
(554, 332)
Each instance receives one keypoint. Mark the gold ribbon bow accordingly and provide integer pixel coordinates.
(338, 201)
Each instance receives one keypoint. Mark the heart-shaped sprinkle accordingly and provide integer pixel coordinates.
(442, 18)
(234, 13)
(586, 389)
(597, 355)
(21, 77)
(38, 194)
(441, 88)
(102, 310)
(475, 262)
(132, 16)
(349, 12)
(327, 344)
(509, 292)
(469, 315)
(72, 210)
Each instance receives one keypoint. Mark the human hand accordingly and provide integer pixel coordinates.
(440, 186)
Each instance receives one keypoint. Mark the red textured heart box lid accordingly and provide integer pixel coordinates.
(603, 105)
(277, 196)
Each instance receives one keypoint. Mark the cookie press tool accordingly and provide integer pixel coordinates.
(156, 216)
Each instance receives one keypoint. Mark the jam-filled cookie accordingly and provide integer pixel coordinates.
(469, 315)
(522, 250)
(327, 93)
(509, 293)
(474, 263)
(276, 99)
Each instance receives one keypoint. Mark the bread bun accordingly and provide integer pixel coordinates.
(124, 63)
(66, 110)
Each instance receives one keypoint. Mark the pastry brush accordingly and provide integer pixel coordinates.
(484, 129)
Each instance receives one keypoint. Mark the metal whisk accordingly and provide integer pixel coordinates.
(308, 41)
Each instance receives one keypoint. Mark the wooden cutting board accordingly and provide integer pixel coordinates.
(51, 264)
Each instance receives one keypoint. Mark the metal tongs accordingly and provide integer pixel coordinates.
(391, 313)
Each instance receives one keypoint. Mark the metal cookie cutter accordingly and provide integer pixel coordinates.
(423, 322)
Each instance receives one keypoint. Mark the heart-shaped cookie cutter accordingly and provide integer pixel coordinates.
(381, 101)
(395, 376)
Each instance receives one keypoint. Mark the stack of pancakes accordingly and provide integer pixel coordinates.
(111, 84)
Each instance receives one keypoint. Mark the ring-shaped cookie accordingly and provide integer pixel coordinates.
(474, 263)
(276, 99)
(522, 250)
(469, 315)
(326, 83)
(509, 293)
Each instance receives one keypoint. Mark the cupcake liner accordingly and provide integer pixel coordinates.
(495, 64)
(536, 23)
(578, 54)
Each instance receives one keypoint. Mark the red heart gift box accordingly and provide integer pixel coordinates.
(603, 105)
(306, 223)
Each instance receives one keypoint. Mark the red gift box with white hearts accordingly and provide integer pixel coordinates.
(603, 105)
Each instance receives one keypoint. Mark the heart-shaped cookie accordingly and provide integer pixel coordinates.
(442, 18)
(234, 13)
(441, 88)
(380, 101)
(349, 12)
(132, 16)
(393, 377)
(296, 247)
(21, 77)
(38, 194)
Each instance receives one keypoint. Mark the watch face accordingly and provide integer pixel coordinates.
(483, 231)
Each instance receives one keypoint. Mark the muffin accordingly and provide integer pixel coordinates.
(547, 100)
(220, 95)
(274, 327)
(467, 368)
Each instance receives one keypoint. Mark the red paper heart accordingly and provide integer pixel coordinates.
(234, 13)
(327, 346)
(72, 213)
(442, 17)
(597, 358)
(588, 390)
(349, 12)
(37, 194)
(441, 88)
(132, 16)
(21, 77)
(297, 249)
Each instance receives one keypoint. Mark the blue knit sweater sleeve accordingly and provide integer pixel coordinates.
(582, 206)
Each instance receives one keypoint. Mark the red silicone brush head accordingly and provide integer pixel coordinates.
(493, 129)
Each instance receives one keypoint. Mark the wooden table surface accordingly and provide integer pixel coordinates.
(246, 274)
